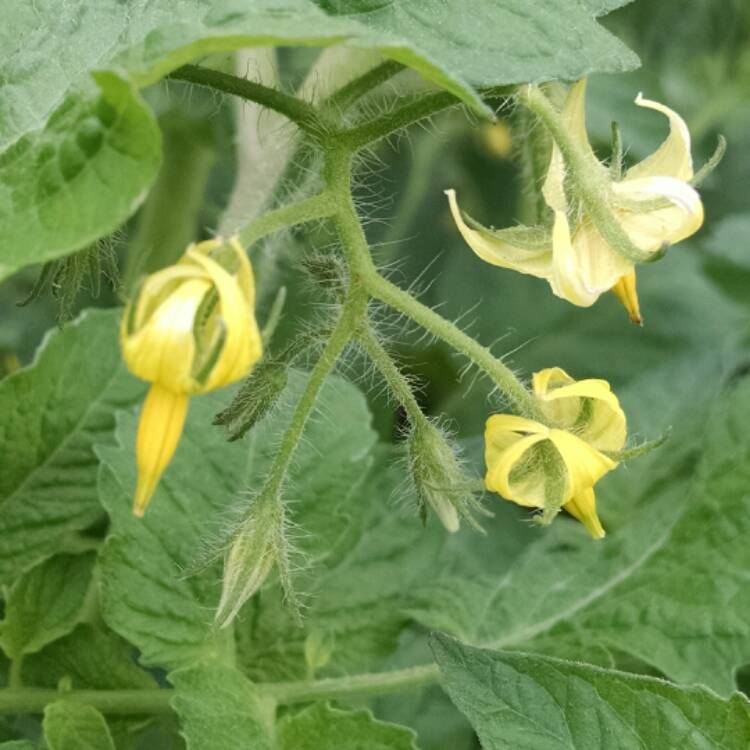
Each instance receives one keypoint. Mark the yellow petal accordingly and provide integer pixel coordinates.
(529, 491)
(507, 439)
(591, 261)
(561, 412)
(582, 267)
(653, 229)
(155, 289)
(242, 345)
(159, 429)
(625, 291)
(583, 507)
(500, 253)
(672, 158)
(588, 408)
(584, 464)
(163, 350)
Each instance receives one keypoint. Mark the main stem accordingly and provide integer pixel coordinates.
(155, 701)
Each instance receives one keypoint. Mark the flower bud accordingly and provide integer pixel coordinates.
(190, 329)
(256, 545)
(438, 476)
(255, 398)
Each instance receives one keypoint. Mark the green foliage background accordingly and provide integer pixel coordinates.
(662, 604)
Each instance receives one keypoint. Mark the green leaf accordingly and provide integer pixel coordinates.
(219, 708)
(519, 700)
(17, 745)
(650, 589)
(321, 727)
(146, 594)
(77, 159)
(51, 415)
(94, 659)
(45, 603)
(75, 726)
(77, 177)
(600, 7)
(486, 43)
(90, 658)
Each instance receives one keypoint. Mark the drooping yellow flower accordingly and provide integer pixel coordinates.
(190, 329)
(653, 203)
(549, 467)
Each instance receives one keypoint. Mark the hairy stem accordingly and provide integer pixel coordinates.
(351, 92)
(518, 396)
(349, 319)
(304, 115)
(316, 207)
(394, 378)
(381, 127)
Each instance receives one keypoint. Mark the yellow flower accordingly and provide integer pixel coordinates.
(190, 329)
(539, 466)
(653, 203)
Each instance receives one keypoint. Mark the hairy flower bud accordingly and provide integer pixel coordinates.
(190, 329)
(256, 546)
(438, 476)
(255, 398)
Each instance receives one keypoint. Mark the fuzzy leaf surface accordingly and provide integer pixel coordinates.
(516, 700)
(322, 727)
(76, 177)
(45, 603)
(51, 414)
(75, 726)
(219, 708)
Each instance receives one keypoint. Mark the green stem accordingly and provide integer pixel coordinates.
(349, 320)
(376, 683)
(15, 679)
(311, 209)
(155, 701)
(590, 183)
(304, 115)
(33, 700)
(413, 111)
(351, 92)
(518, 396)
(395, 379)
(418, 109)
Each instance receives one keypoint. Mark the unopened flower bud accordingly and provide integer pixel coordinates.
(438, 476)
(254, 399)
(256, 546)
